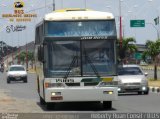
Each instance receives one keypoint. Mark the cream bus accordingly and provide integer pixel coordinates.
(75, 53)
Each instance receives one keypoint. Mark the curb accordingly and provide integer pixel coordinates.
(31, 72)
(154, 89)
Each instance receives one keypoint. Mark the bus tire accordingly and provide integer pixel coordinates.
(42, 101)
(107, 104)
(50, 106)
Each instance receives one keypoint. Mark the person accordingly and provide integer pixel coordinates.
(2, 67)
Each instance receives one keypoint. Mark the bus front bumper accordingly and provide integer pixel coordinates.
(81, 94)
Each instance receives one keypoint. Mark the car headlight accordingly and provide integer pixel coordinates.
(10, 75)
(144, 81)
(120, 82)
(24, 75)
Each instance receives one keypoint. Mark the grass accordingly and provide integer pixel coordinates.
(30, 70)
(154, 83)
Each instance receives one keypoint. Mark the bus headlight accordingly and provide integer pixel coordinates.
(51, 85)
(55, 93)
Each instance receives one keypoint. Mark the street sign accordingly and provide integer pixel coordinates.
(138, 56)
(137, 23)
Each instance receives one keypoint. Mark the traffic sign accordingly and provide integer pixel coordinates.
(137, 23)
(138, 56)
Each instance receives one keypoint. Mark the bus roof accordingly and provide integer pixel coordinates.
(77, 14)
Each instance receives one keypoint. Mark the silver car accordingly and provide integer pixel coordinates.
(16, 73)
(132, 79)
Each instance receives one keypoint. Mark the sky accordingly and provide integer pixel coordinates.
(146, 10)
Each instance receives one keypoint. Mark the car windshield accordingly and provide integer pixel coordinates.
(16, 69)
(129, 71)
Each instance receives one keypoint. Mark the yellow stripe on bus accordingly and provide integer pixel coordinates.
(72, 9)
(107, 79)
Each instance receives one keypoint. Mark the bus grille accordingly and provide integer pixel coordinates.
(72, 84)
(85, 84)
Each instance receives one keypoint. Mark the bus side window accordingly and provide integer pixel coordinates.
(40, 54)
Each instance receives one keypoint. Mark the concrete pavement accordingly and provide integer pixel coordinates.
(10, 104)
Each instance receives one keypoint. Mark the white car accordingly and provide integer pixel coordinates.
(132, 79)
(16, 73)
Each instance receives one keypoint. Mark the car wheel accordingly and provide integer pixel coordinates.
(107, 104)
(8, 81)
(25, 80)
(50, 106)
(139, 92)
(146, 92)
(42, 101)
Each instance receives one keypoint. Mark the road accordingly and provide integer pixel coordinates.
(22, 97)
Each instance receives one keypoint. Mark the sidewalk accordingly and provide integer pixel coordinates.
(10, 104)
(154, 86)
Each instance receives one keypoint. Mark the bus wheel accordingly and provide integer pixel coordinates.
(50, 106)
(107, 104)
(42, 101)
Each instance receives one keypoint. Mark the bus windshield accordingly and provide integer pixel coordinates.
(80, 28)
(79, 58)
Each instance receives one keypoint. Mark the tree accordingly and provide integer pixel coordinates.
(128, 47)
(153, 50)
(21, 57)
(31, 57)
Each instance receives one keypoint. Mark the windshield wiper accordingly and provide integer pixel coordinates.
(91, 63)
(75, 58)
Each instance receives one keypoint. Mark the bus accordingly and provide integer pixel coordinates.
(75, 57)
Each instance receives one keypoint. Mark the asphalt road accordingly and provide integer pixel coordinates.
(126, 103)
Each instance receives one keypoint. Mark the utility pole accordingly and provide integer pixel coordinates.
(120, 24)
(85, 4)
(53, 5)
(155, 29)
(26, 57)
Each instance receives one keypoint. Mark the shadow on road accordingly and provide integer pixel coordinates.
(76, 106)
(130, 94)
(16, 82)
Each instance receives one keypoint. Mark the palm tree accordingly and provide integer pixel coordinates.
(153, 50)
(21, 57)
(128, 47)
